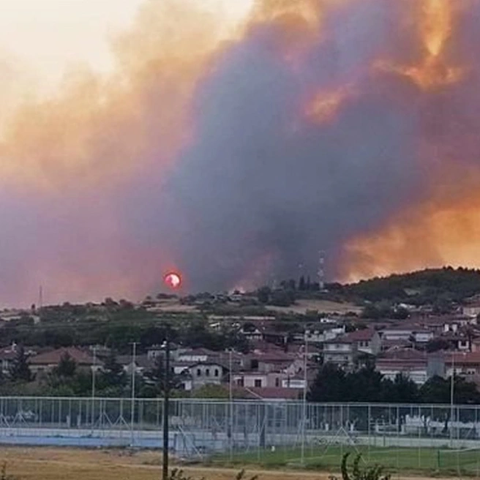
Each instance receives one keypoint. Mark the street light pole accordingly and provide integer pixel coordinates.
(452, 398)
(166, 393)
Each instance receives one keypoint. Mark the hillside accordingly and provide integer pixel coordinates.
(422, 287)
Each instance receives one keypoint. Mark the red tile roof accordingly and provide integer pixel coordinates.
(53, 357)
(274, 393)
(361, 335)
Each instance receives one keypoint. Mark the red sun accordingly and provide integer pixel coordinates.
(173, 280)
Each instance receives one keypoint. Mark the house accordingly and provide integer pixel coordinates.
(413, 364)
(466, 364)
(423, 336)
(296, 382)
(207, 373)
(472, 308)
(251, 331)
(142, 363)
(46, 362)
(366, 341)
(322, 332)
(195, 355)
(340, 351)
(397, 333)
(458, 341)
(155, 351)
(9, 354)
(272, 394)
(272, 361)
(252, 380)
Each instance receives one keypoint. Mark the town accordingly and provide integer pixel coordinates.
(296, 341)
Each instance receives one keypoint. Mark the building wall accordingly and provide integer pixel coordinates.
(209, 374)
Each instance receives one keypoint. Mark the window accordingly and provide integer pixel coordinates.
(216, 372)
(277, 382)
(199, 372)
(254, 364)
(240, 382)
(207, 372)
(258, 382)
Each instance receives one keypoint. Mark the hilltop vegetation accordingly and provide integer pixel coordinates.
(417, 288)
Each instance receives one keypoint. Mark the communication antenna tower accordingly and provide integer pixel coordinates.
(321, 269)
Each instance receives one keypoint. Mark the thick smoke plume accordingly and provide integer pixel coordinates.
(347, 126)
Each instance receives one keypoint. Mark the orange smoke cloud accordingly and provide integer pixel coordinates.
(84, 167)
(96, 128)
(432, 235)
(435, 20)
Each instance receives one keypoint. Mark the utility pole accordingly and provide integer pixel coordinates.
(166, 387)
(132, 406)
(321, 270)
(94, 368)
(452, 396)
(304, 405)
(230, 397)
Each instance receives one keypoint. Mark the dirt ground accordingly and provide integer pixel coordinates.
(81, 464)
(324, 306)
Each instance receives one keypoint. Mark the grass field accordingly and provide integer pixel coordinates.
(82, 464)
(407, 460)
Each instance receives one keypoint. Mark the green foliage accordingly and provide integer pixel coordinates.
(112, 375)
(263, 295)
(20, 370)
(438, 390)
(329, 384)
(332, 384)
(438, 287)
(356, 472)
(155, 379)
(66, 368)
(437, 344)
(179, 474)
(212, 391)
(401, 390)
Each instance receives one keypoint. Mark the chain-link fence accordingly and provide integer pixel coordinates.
(404, 437)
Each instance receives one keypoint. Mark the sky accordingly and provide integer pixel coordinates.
(232, 141)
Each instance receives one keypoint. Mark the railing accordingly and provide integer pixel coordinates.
(264, 429)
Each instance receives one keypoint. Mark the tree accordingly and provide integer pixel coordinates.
(66, 368)
(20, 369)
(283, 298)
(329, 385)
(155, 377)
(438, 390)
(113, 374)
(301, 283)
(436, 344)
(263, 294)
(401, 390)
(364, 385)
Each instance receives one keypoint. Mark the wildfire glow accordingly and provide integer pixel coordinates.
(435, 27)
(103, 106)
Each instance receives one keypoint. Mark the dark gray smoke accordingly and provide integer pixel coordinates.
(261, 179)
